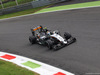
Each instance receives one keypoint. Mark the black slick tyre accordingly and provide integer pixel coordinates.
(32, 39)
(49, 44)
(67, 35)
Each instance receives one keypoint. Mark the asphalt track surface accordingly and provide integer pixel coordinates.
(80, 58)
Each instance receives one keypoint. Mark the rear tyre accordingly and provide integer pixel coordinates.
(32, 39)
(67, 35)
(49, 44)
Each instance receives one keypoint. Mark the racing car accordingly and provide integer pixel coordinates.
(51, 39)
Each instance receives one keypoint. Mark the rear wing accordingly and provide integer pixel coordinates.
(36, 28)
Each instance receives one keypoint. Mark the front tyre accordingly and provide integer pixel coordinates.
(32, 39)
(67, 36)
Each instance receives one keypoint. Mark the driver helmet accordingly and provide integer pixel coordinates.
(48, 32)
(45, 29)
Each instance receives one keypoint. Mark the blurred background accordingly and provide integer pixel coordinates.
(9, 3)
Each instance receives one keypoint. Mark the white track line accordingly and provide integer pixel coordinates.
(48, 12)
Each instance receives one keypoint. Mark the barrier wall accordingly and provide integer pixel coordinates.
(29, 5)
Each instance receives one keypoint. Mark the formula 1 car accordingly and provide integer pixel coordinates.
(53, 40)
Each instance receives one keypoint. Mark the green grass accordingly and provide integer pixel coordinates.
(24, 1)
(0, 6)
(71, 6)
(8, 68)
(9, 4)
(13, 3)
(29, 11)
